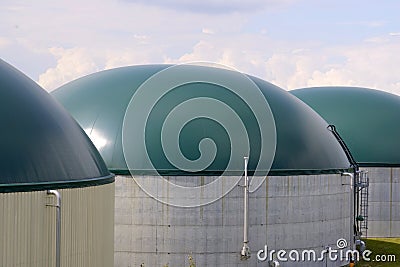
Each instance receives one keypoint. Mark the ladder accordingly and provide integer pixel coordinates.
(362, 185)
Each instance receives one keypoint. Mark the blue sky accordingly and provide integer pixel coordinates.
(291, 43)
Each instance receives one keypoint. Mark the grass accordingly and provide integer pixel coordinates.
(382, 246)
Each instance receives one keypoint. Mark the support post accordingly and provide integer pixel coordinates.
(245, 252)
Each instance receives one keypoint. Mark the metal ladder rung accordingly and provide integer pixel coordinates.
(363, 183)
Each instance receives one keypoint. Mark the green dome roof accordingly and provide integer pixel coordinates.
(368, 120)
(41, 146)
(99, 102)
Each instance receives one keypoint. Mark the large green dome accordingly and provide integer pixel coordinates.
(41, 146)
(368, 120)
(99, 102)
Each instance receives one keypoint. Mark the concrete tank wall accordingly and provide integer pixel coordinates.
(27, 227)
(384, 202)
(286, 212)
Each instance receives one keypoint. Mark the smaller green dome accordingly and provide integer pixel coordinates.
(368, 120)
(41, 145)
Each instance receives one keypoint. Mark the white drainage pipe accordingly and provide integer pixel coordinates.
(58, 223)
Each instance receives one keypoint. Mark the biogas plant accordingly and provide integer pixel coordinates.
(211, 167)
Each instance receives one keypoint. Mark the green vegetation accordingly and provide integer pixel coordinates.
(384, 248)
(191, 261)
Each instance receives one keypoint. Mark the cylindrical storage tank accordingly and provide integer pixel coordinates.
(44, 153)
(369, 122)
(161, 114)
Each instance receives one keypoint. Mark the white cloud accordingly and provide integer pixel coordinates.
(174, 31)
(202, 51)
(71, 64)
(373, 66)
(127, 57)
(143, 39)
(367, 64)
(207, 31)
(4, 42)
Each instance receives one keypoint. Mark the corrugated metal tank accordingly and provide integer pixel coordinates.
(42, 148)
(369, 122)
(304, 202)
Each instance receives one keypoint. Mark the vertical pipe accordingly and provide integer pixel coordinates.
(246, 203)
(352, 206)
(353, 210)
(245, 253)
(58, 223)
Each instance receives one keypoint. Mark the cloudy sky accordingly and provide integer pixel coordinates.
(291, 43)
